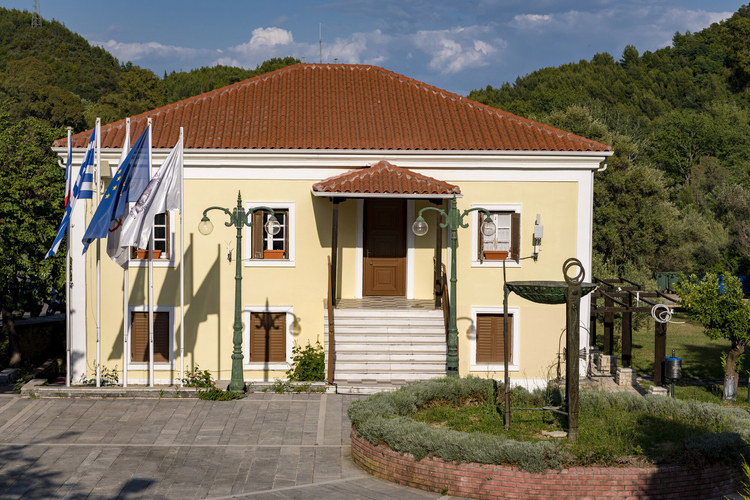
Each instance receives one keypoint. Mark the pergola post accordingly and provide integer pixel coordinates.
(609, 327)
(627, 333)
(660, 350)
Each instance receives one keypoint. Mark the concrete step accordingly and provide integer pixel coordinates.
(387, 376)
(380, 313)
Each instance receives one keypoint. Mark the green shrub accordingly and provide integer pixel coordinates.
(216, 394)
(699, 432)
(308, 363)
(198, 378)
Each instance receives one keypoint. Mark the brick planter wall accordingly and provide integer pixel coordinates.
(496, 481)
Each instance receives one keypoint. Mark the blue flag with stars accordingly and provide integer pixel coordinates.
(126, 186)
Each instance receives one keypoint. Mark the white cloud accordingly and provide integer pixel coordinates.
(457, 49)
(264, 38)
(530, 21)
(136, 51)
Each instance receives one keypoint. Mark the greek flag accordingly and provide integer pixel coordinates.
(83, 188)
(126, 185)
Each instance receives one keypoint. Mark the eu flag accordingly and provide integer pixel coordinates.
(126, 186)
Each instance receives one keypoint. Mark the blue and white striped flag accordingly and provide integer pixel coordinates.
(83, 188)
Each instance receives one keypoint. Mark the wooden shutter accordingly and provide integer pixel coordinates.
(139, 337)
(257, 232)
(267, 337)
(515, 236)
(491, 338)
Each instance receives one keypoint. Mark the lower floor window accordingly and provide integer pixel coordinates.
(491, 338)
(139, 342)
(267, 336)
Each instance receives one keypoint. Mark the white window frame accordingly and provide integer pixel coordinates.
(170, 262)
(515, 354)
(158, 365)
(475, 221)
(266, 365)
(291, 226)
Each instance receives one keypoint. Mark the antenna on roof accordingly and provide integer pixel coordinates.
(36, 18)
(335, 60)
(320, 31)
(303, 59)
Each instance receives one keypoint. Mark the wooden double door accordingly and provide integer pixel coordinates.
(384, 247)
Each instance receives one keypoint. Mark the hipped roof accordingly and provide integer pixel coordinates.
(384, 178)
(339, 107)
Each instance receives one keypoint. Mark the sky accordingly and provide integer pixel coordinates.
(451, 44)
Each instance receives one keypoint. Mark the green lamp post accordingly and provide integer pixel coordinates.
(453, 220)
(238, 218)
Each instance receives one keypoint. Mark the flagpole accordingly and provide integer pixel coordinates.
(98, 258)
(182, 261)
(126, 290)
(150, 279)
(67, 276)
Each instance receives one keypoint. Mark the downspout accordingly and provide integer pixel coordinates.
(606, 158)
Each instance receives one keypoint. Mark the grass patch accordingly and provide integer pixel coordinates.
(701, 356)
(460, 420)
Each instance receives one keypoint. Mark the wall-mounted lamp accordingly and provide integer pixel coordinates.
(538, 233)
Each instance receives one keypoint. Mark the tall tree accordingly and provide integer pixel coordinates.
(31, 207)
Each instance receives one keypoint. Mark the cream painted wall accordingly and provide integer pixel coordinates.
(209, 277)
(541, 324)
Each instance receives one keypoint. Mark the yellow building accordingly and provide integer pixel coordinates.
(346, 156)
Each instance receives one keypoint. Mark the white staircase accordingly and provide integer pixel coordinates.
(384, 346)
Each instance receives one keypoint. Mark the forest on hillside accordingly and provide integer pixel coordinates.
(676, 193)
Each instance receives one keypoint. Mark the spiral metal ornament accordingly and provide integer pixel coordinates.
(578, 278)
(661, 313)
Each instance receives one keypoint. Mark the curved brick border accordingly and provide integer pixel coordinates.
(496, 481)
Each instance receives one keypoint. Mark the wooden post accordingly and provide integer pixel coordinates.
(660, 350)
(334, 247)
(438, 263)
(627, 333)
(592, 324)
(609, 327)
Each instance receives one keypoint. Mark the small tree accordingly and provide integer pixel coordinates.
(723, 314)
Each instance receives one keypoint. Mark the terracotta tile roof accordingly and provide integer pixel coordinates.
(341, 107)
(382, 178)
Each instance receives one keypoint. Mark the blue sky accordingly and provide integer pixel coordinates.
(452, 44)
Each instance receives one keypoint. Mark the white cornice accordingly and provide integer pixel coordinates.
(244, 158)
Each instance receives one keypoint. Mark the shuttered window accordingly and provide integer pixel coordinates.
(491, 338)
(161, 238)
(507, 237)
(267, 337)
(139, 337)
(262, 242)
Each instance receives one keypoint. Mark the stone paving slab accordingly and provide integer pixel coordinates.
(266, 446)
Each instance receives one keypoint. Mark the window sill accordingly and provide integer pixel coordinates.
(270, 263)
(493, 367)
(496, 263)
(157, 263)
(163, 366)
(276, 365)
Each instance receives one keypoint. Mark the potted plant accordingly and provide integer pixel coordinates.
(273, 254)
(495, 255)
(143, 254)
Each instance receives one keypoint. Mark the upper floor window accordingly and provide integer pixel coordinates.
(162, 240)
(264, 249)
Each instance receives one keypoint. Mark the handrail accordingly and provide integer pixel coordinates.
(446, 301)
(330, 323)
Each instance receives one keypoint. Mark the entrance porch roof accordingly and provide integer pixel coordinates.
(384, 180)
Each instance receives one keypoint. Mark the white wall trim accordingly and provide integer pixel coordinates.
(247, 365)
(158, 366)
(492, 207)
(78, 293)
(247, 236)
(410, 208)
(515, 354)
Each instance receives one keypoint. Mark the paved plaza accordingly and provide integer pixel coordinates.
(266, 446)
